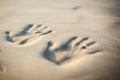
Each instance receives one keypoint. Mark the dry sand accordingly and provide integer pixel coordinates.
(59, 40)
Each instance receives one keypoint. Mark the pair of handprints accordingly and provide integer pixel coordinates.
(59, 55)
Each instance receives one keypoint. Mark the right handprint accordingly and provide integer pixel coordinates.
(73, 49)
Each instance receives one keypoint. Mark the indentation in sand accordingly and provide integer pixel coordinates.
(114, 11)
(2, 69)
(28, 34)
(76, 7)
(0, 50)
(70, 51)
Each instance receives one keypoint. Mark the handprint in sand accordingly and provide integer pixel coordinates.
(28, 34)
(73, 49)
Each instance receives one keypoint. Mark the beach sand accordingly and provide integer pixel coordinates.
(59, 40)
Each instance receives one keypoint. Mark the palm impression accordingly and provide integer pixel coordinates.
(28, 34)
(71, 50)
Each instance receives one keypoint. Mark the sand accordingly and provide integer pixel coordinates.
(59, 40)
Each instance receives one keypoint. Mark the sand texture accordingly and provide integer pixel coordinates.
(59, 40)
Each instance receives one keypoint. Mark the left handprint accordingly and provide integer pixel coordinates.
(28, 34)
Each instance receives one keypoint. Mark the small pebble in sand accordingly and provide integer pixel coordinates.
(84, 46)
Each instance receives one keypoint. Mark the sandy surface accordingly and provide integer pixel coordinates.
(78, 40)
